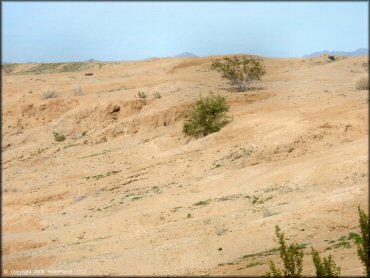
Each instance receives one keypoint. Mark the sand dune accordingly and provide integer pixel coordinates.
(128, 193)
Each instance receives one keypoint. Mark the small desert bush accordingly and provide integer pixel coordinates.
(325, 267)
(362, 83)
(206, 116)
(157, 95)
(59, 136)
(141, 95)
(78, 91)
(49, 93)
(8, 68)
(240, 71)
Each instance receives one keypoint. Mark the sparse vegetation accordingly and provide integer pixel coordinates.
(362, 83)
(221, 230)
(253, 264)
(74, 66)
(240, 71)
(49, 93)
(206, 116)
(144, 141)
(59, 136)
(268, 213)
(57, 67)
(141, 94)
(95, 154)
(78, 91)
(43, 68)
(356, 237)
(325, 268)
(260, 254)
(343, 241)
(98, 177)
(70, 145)
(175, 209)
(202, 203)
(157, 95)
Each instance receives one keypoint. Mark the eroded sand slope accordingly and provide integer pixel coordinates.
(128, 193)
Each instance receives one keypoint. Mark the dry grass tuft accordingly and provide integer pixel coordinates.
(78, 91)
(49, 93)
(362, 83)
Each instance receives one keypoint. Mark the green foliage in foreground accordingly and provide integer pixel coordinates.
(325, 267)
(363, 244)
(292, 257)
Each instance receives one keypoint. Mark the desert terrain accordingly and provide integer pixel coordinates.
(127, 193)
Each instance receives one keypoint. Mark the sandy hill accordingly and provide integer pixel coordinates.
(128, 193)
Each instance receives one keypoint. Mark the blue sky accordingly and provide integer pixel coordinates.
(76, 31)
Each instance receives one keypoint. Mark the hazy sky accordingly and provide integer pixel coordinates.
(67, 31)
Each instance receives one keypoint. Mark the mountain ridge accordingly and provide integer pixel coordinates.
(357, 52)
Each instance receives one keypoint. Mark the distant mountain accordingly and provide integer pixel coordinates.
(358, 52)
(182, 55)
(151, 58)
(186, 55)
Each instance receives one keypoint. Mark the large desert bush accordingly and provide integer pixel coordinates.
(240, 71)
(206, 116)
(362, 83)
(49, 93)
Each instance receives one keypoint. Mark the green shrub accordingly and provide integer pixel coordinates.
(240, 71)
(363, 242)
(59, 136)
(206, 116)
(141, 95)
(292, 257)
(325, 268)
